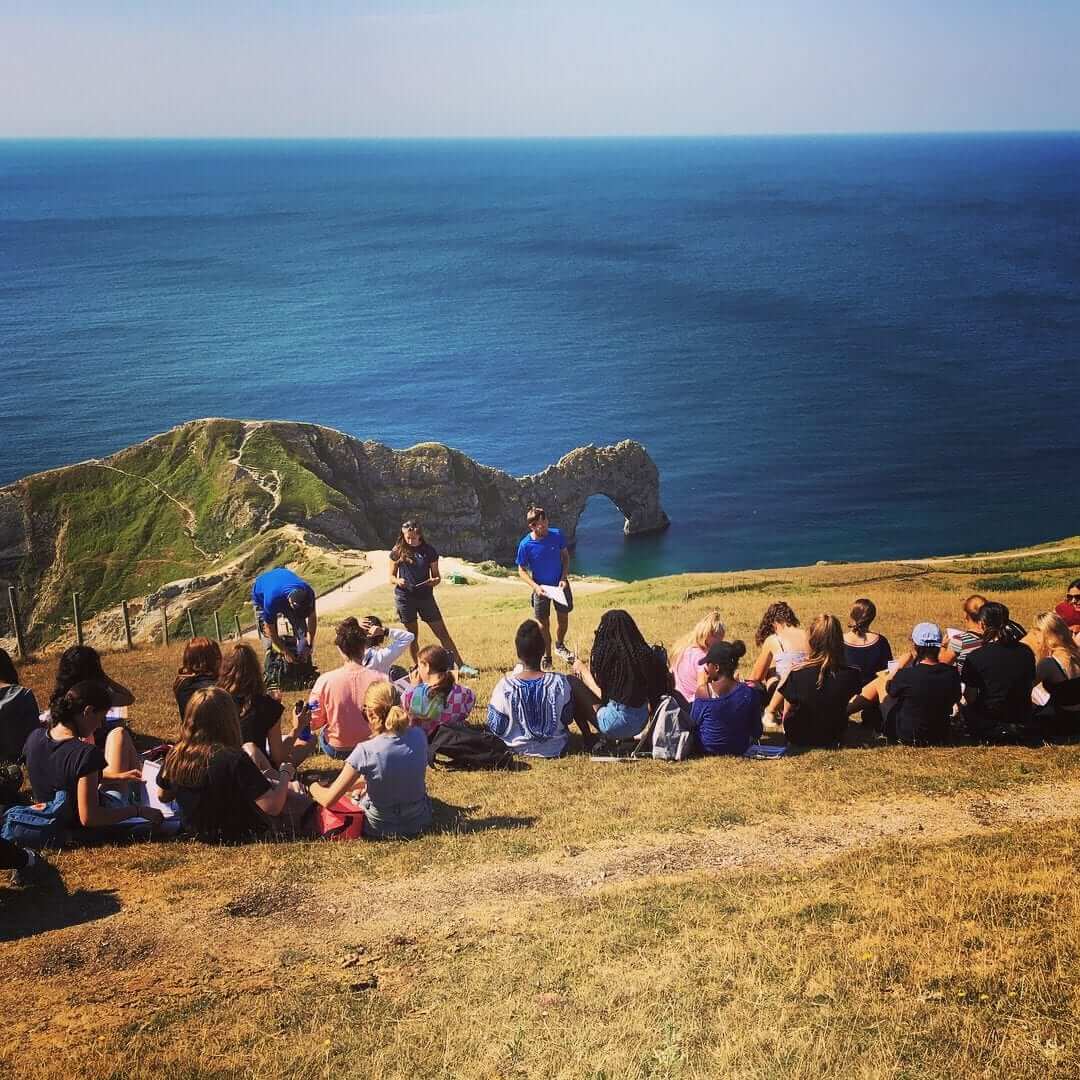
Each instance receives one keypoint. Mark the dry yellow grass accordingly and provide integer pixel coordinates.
(719, 918)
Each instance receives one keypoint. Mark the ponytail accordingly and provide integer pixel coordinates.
(67, 709)
(439, 662)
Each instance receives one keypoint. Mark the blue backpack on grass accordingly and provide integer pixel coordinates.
(42, 825)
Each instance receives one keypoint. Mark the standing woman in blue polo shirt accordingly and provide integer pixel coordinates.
(544, 559)
(414, 573)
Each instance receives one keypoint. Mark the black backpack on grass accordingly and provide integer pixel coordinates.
(279, 674)
(462, 746)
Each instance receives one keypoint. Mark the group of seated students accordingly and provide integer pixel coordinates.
(232, 771)
(988, 681)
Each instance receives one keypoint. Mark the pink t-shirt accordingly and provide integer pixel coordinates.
(340, 697)
(686, 671)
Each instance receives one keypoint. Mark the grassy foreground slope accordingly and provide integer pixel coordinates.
(875, 912)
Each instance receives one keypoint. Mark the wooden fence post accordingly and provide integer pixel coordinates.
(190, 623)
(217, 626)
(77, 610)
(127, 624)
(16, 622)
(239, 632)
(165, 623)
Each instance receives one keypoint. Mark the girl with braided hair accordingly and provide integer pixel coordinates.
(624, 677)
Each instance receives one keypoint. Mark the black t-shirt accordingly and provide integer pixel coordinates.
(999, 678)
(868, 660)
(59, 764)
(1049, 672)
(187, 686)
(222, 810)
(257, 716)
(18, 717)
(819, 714)
(420, 568)
(925, 695)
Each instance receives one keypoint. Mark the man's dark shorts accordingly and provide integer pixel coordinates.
(541, 605)
(420, 603)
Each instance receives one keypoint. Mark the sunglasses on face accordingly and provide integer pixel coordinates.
(1073, 597)
(410, 525)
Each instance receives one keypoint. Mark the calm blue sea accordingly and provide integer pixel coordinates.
(835, 348)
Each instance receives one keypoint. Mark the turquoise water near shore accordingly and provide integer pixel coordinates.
(834, 348)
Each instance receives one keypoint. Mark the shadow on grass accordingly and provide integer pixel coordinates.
(456, 819)
(47, 905)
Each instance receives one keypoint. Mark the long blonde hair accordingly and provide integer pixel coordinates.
(710, 625)
(1054, 639)
(211, 722)
(382, 710)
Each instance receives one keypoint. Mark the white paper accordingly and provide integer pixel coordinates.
(554, 592)
(150, 770)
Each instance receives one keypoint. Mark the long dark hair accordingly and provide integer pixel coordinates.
(79, 664)
(210, 721)
(8, 674)
(623, 663)
(781, 612)
(241, 675)
(994, 619)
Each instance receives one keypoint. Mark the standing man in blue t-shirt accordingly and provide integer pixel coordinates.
(544, 559)
(281, 592)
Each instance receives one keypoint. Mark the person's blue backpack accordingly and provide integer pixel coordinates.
(40, 825)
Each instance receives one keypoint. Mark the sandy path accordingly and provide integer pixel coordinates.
(347, 596)
(775, 843)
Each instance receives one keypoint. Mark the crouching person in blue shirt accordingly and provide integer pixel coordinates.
(726, 711)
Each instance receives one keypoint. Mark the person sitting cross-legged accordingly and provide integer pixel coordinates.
(921, 696)
(222, 795)
(437, 697)
(389, 771)
(61, 757)
(726, 712)
(531, 709)
(624, 679)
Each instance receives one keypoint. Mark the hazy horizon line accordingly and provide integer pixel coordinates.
(912, 132)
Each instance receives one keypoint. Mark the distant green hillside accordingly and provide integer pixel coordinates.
(225, 498)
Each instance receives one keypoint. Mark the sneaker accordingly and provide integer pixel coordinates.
(468, 670)
(564, 654)
(546, 664)
(28, 873)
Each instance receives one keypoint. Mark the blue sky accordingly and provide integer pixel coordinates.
(485, 68)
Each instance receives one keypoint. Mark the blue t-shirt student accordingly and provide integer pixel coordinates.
(270, 593)
(543, 557)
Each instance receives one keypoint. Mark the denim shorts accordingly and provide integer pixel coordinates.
(618, 721)
(338, 753)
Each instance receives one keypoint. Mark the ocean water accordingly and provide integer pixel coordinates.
(834, 348)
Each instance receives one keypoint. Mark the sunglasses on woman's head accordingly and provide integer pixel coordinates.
(1073, 597)
(410, 525)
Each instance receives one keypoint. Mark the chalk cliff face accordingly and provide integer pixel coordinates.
(213, 493)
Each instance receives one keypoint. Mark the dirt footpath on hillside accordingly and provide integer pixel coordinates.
(232, 943)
